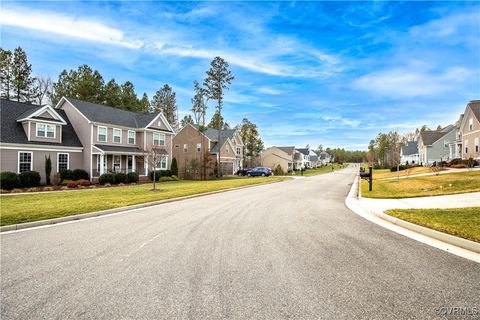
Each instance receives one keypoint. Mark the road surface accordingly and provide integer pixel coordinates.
(290, 250)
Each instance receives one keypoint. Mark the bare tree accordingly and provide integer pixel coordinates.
(44, 89)
(153, 156)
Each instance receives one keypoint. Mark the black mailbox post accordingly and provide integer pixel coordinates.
(367, 176)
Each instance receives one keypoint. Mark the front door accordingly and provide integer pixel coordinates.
(129, 163)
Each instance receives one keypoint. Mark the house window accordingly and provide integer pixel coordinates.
(102, 134)
(162, 163)
(470, 124)
(24, 161)
(117, 163)
(476, 145)
(466, 146)
(159, 139)
(177, 146)
(45, 130)
(117, 135)
(62, 162)
(239, 150)
(199, 147)
(131, 137)
(99, 158)
(226, 149)
(185, 147)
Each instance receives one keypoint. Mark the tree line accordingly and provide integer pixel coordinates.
(341, 155)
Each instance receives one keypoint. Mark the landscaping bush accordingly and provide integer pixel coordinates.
(174, 178)
(120, 178)
(84, 183)
(29, 179)
(66, 175)
(48, 168)
(459, 166)
(106, 178)
(80, 174)
(9, 180)
(456, 161)
(174, 167)
(278, 171)
(72, 184)
(165, 179)
(132, 177)
(159, 173)
(400, 168)
(48, 189)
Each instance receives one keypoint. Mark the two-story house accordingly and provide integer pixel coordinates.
(469, 131)
(433, 145)
(190, 146)
(82, 135)
(409, 153)
(279, 156)
(302, 158)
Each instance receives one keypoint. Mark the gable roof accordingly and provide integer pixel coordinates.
(475, 107)
(212, 134)
(410, 148)
(430, 137)
(115, 116)
(303, 150)
(288, 150)
(12, 131)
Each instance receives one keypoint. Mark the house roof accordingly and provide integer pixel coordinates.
(410, 148)
(288, 150)
(110, 115)
(475, 107)
(324, 155)
(212, 134)
(303, 150)
(109, 148)
(313, 158)
(13, 132)
(429, 137)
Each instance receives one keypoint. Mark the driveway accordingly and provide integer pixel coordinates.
(280, 251)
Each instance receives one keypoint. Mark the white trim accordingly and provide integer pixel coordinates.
(100, 151)
(91, 150)
(58, 160)
(29, 124)
(18, 160)
(166, 162)
(98, 133)
(13, 146)
(113, 162)
(113, 135)
(63, 99)
(159, 134)
(471, 132)
(134, 137)
(48, 109)
(169, 127)
(46, 130)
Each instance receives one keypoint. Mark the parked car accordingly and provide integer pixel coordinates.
(259, 171)
(243, 172)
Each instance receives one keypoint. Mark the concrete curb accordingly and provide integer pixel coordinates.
(352, 202)
(82, 216)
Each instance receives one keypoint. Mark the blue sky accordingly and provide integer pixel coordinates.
(330, 73)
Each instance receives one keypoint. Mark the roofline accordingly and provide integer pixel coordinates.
(39, 147)
(59, 104)
(164, 120)
(41, 110)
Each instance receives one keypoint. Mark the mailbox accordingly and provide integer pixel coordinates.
(367, 176)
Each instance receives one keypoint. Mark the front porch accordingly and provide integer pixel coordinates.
(118, 163)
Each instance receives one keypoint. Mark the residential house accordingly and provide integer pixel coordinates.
(206, 150)
(315, 161)
(409, 153)
(325, 158)
(433, 145)
(30, 133)
(469, 131)
(82, 135)
(279, 156)
(302, 158)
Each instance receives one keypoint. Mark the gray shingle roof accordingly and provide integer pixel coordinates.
(12, 131)
(475, 106)
(288, 150)
(212, 134)
(303, 150)
(313, 158)
(429, 137)
(110, 148)
(110, 115)
(410, 148)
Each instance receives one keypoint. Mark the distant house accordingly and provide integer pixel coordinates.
(469, 131)
(302, 158)
(409, 153)
(314, 161)
(279, 156)
(81, 135)
(205, 150)
(433, 145)
(325, 158)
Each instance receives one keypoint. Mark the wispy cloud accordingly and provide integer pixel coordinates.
(81, 28)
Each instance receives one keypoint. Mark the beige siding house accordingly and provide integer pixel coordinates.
(80, 135)
(469, 131)
(279, 156)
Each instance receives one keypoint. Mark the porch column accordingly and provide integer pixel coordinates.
(102, 169)
(133, 164)
(145, 163)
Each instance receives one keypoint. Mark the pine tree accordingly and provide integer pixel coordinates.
(113, 94)
(165, 101)
(143, 104)
(6, 61)
(185, 120)
(129, 99)
(199, 106)
(217, 122)
(22, 82)
(218, 79)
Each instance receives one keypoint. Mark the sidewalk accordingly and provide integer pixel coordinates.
(461, 200)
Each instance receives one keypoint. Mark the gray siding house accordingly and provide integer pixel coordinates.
(433, 145)
(82, 135)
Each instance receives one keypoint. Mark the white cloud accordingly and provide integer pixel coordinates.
(268, 90)
(81, 28)
(407, 82)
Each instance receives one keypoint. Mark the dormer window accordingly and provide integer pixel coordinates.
(45, 130)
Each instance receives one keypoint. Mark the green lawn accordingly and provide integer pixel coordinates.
(25, 208)
(435, 185)
(461, 222)
(321, 170)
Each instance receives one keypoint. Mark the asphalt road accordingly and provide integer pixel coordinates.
(290, 250)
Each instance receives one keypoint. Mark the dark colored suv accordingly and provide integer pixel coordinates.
(259, 171)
